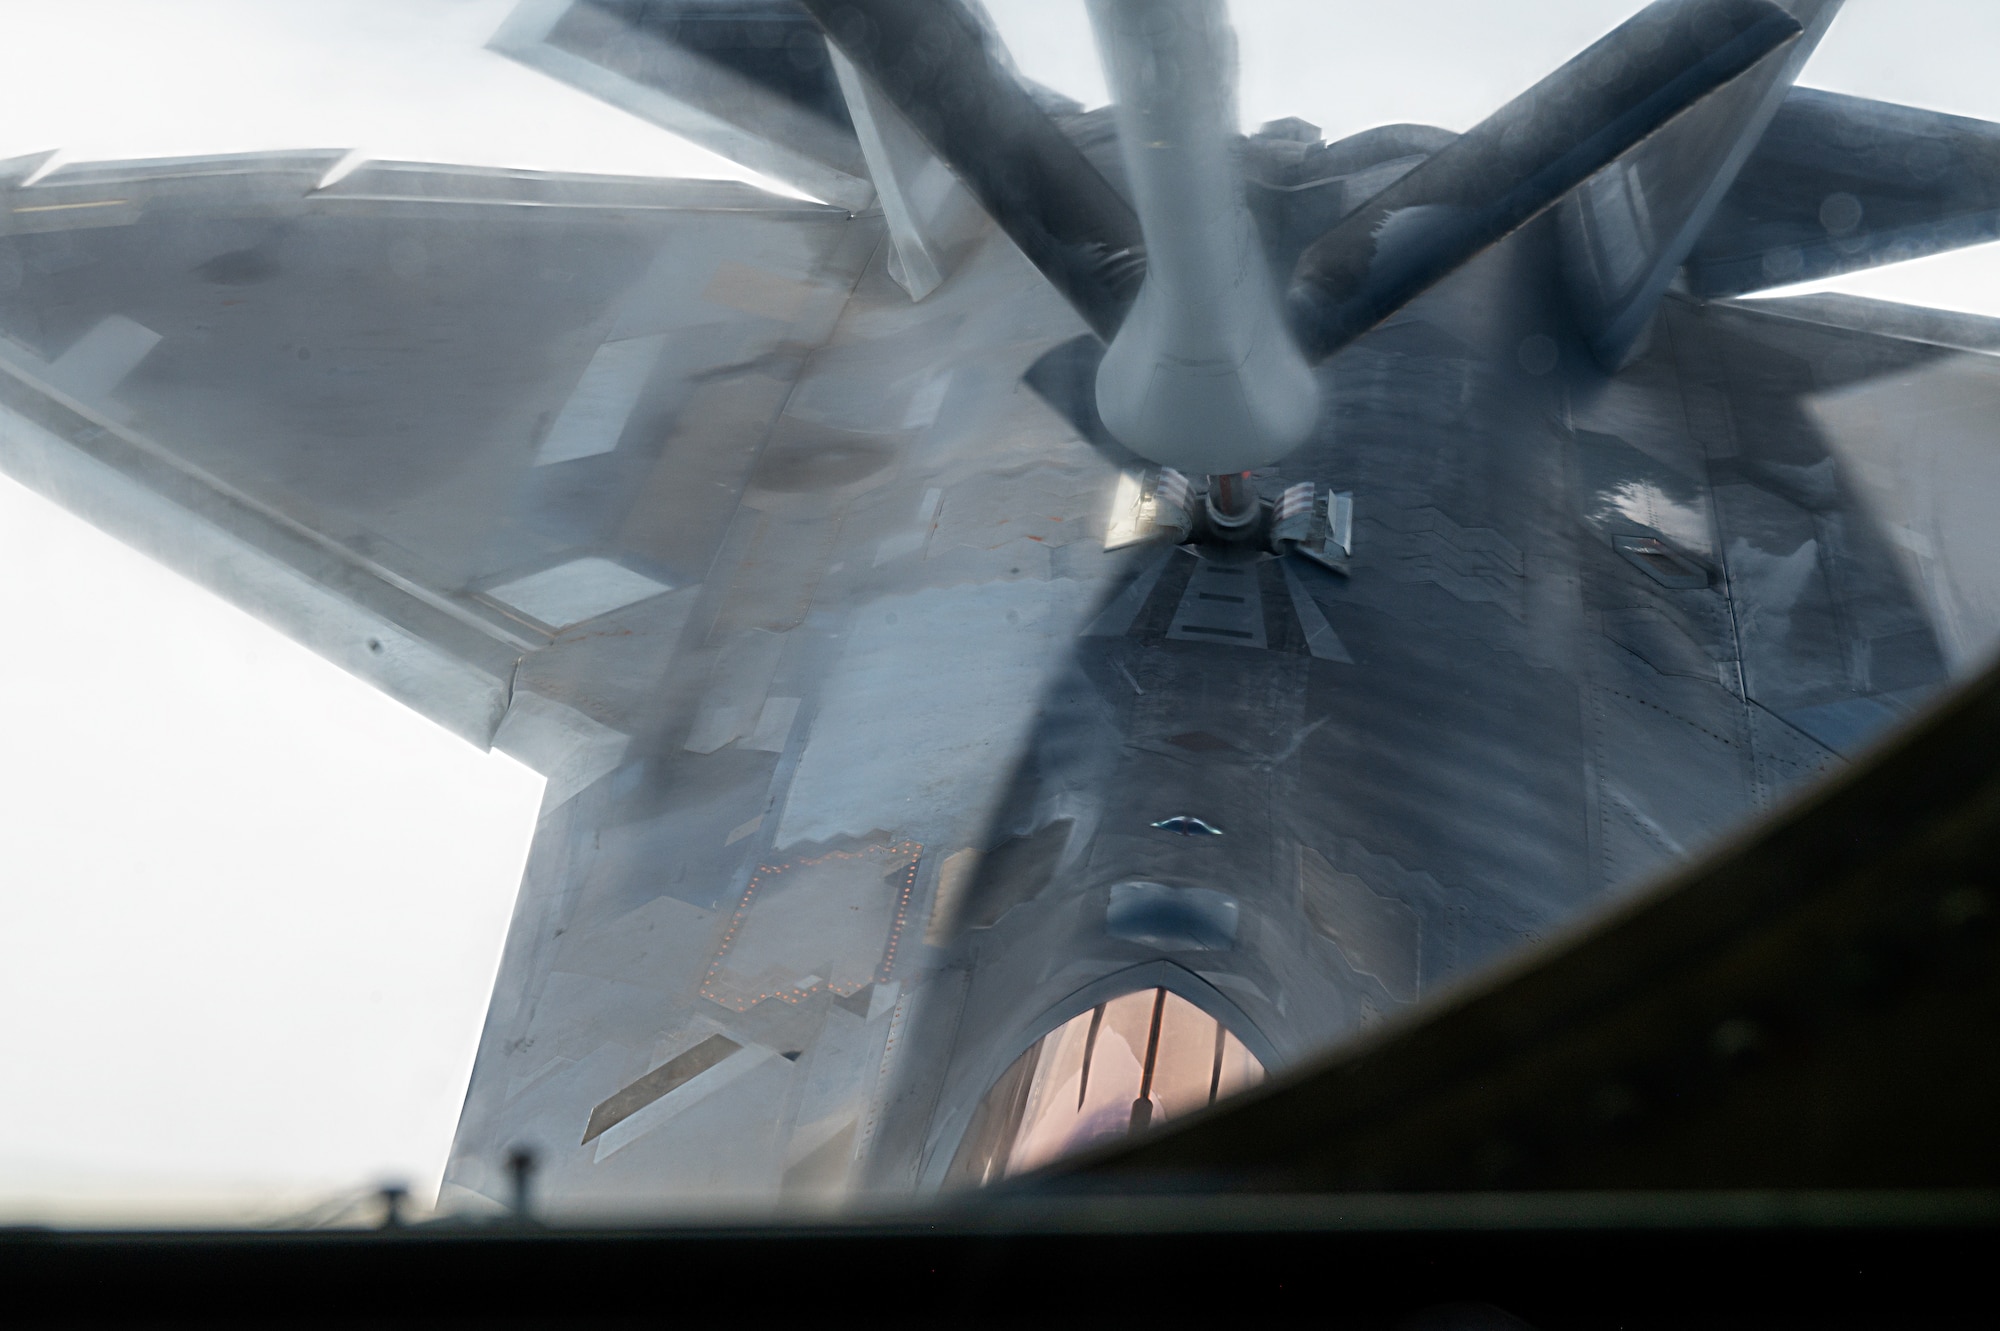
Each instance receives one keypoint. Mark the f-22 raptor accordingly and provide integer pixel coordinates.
(1087, 609)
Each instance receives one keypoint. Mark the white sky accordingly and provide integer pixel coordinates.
(250, 910)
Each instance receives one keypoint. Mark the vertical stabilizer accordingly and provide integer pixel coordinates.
(1627, 230)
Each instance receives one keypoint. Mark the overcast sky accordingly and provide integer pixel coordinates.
(250, 910)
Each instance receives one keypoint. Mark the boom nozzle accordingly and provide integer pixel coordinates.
(1203, 375)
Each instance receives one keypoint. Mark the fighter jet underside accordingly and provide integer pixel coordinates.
(956, 757)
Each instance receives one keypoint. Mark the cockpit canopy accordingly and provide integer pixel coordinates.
(1145, 1058)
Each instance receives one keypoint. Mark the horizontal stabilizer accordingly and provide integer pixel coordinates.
(934, 63)
(1843, 183)
(1524, 158)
